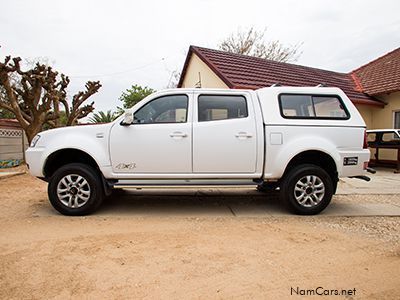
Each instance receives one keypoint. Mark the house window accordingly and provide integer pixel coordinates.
(396, 120)
(312, 107)
(221, 107)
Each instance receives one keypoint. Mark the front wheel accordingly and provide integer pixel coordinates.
(75, 190)
(307, 189)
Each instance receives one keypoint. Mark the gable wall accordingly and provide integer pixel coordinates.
(207, 77)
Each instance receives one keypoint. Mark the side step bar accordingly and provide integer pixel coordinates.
(176, 184)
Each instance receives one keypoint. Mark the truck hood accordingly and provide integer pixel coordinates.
(69, 132)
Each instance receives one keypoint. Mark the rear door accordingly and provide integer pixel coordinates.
(224, 133)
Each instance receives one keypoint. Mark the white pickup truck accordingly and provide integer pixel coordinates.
(298, 140)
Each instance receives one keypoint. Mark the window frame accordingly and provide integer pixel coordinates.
(160, 123)
(221, 95)
(348, 115)
(394, 119)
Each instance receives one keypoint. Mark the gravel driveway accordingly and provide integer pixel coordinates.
(190, 246)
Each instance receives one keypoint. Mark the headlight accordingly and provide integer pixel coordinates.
(34, 141)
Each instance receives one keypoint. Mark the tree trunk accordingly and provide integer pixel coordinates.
(32, 130)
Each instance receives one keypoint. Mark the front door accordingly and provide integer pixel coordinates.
(159, 140)
(224, 134)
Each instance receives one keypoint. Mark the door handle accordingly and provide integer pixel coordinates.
(178, 134)
(243, 135)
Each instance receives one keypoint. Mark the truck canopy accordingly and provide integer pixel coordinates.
(327, 106)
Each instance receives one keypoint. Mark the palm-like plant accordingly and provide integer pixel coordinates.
(103, 117)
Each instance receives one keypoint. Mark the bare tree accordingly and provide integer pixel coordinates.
(252, 42)
(35, 96)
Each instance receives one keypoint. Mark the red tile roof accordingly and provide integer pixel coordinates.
(379, 76)
(242, 71)
(9, 123)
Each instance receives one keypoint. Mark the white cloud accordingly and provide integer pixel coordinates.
(122, 43)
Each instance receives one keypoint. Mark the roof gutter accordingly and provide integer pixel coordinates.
(368, 102)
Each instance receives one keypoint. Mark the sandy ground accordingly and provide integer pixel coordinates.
(193, 253)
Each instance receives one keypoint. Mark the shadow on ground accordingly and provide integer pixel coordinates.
(184, 203)
(190, 202)
(195, 203)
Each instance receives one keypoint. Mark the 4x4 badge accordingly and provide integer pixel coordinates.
(123, 166)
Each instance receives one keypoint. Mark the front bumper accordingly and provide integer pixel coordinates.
(35, 159)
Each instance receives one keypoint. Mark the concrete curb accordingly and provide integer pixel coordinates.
(5, 175)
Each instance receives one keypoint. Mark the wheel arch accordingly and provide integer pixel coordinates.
(65, 156)
(318, 158)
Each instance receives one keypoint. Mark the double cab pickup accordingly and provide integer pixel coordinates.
(297, 141)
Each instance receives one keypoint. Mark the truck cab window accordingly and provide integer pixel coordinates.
(221, 107)
(166, 109)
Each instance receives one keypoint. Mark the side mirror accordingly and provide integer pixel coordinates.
(128, 118)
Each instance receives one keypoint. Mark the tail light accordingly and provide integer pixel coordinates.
(365, 145)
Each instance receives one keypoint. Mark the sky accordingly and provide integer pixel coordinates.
(122, 43)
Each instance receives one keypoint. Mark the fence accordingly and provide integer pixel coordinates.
(13, 143)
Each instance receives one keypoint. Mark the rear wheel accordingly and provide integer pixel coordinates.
(75, 190)
(307, 189)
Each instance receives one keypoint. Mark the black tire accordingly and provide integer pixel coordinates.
(306, 189)
(89, 188)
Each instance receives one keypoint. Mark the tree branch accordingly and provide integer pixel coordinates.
(34, 96)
